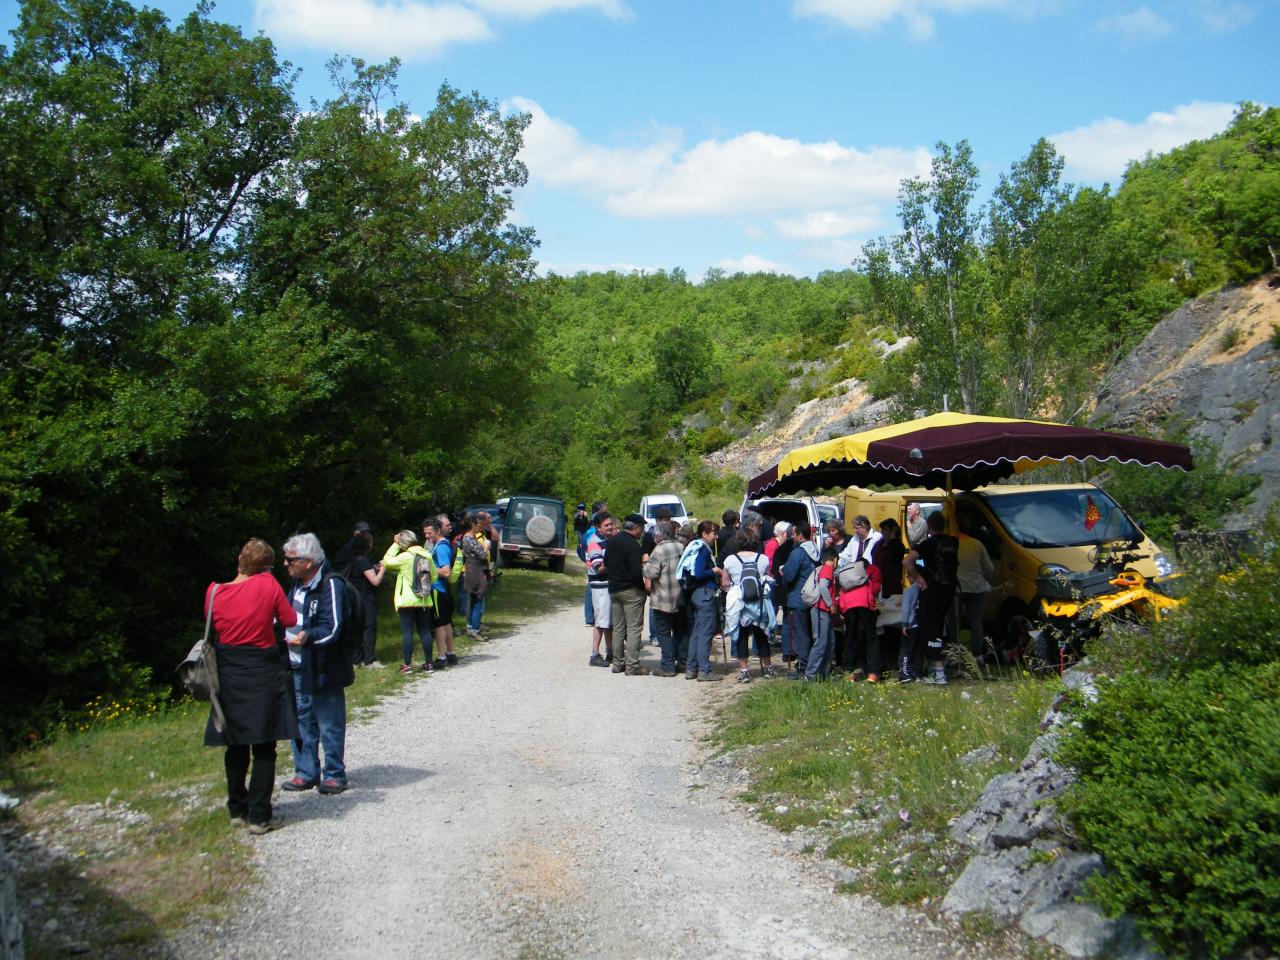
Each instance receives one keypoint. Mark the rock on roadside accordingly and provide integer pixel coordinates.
(1024, 868)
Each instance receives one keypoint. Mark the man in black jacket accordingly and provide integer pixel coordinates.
(622, 559)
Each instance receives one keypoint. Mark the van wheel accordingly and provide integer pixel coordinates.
(556, 564)
(1015, 632)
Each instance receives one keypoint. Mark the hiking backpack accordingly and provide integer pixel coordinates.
(809, 590)
(424, 576)
(752, 588)
(852, 574)
(354, 616)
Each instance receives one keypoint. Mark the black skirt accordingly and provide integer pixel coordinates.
(256, 696)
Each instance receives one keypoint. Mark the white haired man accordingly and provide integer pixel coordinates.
(321, 673)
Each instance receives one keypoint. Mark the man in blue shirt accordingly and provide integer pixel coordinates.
(435, 534)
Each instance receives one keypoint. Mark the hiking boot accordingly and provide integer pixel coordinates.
(768, 673)
(664, 673)
(936, 680)
(597, 661)
(451, 660)
(618, 668)
(297, 785)
(744, 677)
(426, 667)
(439, 663)
(681, 666)
(708, 677)
(405, 669)
(258, 829)
(637, 672)
(327, 787)
(238, 822)
(691, 674)
(793, 675)
(873, 678)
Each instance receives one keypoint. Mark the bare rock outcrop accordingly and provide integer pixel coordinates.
(1213, 363)
(1025, 868)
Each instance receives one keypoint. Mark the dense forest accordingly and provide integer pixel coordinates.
(224, 316)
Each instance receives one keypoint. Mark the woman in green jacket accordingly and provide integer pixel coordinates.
(416, 609)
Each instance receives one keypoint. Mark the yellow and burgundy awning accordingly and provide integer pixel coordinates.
(955, 449)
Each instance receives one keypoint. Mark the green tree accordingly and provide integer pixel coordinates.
(930, 279)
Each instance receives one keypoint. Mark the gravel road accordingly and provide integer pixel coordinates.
(523, 804)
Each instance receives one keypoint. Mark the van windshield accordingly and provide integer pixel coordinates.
(1062, 518)
(675, 506)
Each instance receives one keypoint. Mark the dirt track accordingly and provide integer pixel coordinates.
(526, 805)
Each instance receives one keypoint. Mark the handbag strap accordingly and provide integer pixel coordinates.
(208, 619)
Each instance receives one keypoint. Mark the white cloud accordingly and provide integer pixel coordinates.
(1102, 149)
(752, 173)
(916, 14)
(825, 225)
(751, 264)
(1137, 26)
(531, 9)
(367, 28)
(410, 29)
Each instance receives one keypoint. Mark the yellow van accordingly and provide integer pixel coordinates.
(1037, 535)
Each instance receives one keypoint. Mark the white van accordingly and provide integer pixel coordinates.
(793, 510)
(651, 504)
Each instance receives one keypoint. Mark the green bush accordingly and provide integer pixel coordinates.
(1179, 790)
(714, 438)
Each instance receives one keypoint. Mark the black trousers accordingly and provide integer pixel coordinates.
(253, 803)
(862, 644)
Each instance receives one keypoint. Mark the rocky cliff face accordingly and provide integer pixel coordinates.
(1212, 362)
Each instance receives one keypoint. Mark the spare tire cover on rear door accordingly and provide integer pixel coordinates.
(540, 530)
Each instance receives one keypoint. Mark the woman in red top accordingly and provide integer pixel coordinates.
(858, 604)
(255, 690)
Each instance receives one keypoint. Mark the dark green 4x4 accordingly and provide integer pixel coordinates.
(533, 529)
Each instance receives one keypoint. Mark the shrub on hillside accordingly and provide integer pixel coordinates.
(1179, 790)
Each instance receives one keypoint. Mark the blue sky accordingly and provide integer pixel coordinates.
(772, 134)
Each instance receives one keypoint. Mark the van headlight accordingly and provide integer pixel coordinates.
(1164, 566)
(1052, 570)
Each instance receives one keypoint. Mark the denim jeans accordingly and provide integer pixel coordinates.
(462, 606)
(823, 641)
(322, 722)
(412, 618)
(662, 626)
(476, 611)
(588, 608)
(704, 628)
(799, 637)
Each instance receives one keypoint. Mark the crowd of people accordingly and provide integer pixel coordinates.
(286, 656)
(823, 601)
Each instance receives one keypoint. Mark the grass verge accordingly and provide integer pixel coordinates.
(876, 771)
(122, 832)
